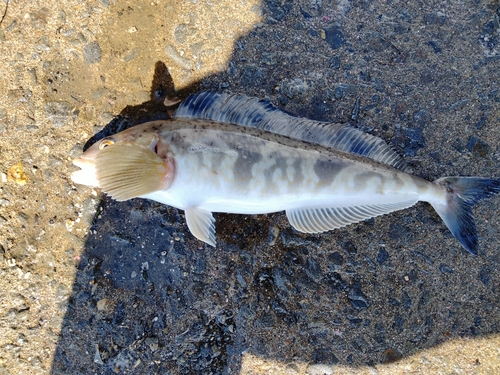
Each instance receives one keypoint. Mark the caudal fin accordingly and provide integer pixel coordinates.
(462, 193)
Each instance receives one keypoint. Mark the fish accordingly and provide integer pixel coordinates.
(231, 153)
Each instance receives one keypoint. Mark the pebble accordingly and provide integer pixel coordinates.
(445, 269)
(103, 304)
(391, 355)
(324, 356)
(343, 90)
(273, 235)
(334, 62)
(459, 104)
(481, 123)
(382, 256)
(334, 36)
(152, 342)
(104, 3)
(357, 298)
(278, 9)
(16, 174)
(355, 110)
(478, 147)
(58, 113)
(406, 300)
(92, 53)
(434, 46)
(180, 33)
(97, 356)
(293, 88)
(131, 55)
(336, 258)
(319, 369)
(413, 140)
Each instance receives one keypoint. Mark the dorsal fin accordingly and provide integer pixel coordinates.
(260, 114)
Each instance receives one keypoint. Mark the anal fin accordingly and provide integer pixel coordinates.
(316, 220)
(201, 223)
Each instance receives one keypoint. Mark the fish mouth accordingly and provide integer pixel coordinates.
(87, 173)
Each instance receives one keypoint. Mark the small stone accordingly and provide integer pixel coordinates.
(16, 174)
(335, 37)
(152, 342)
(274, 232)
(70, 224)
(319, 369)
(313, 269)
(290, 239)
(459, 104)
(58, 113)
(478, 147)
(39, 18)
(336, 258)
(103, 304)
(406, 300)
(131, 55)
(414, 140)
(434, 46)
(480, 124)
(391, 355)
(97, 356)
(445, 269)
(334, 63)
(358, 298)
(382, 256)
(62, 293)
(180, 33)
(92, 53)
(294, 88)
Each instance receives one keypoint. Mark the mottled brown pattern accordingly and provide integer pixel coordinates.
(327, 170)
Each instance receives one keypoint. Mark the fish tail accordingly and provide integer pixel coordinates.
(461, 194)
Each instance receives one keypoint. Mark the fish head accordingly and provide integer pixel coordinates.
(126, 165)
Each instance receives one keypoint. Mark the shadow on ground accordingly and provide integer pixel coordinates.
(149, 298)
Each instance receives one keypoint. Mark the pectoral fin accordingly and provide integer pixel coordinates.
(201, 223)
(316, 220)
(126, 171)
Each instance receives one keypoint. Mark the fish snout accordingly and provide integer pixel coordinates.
(87, 173)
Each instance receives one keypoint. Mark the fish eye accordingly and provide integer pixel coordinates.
(105, 143)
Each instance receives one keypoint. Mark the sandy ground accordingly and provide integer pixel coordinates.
(94, 286)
